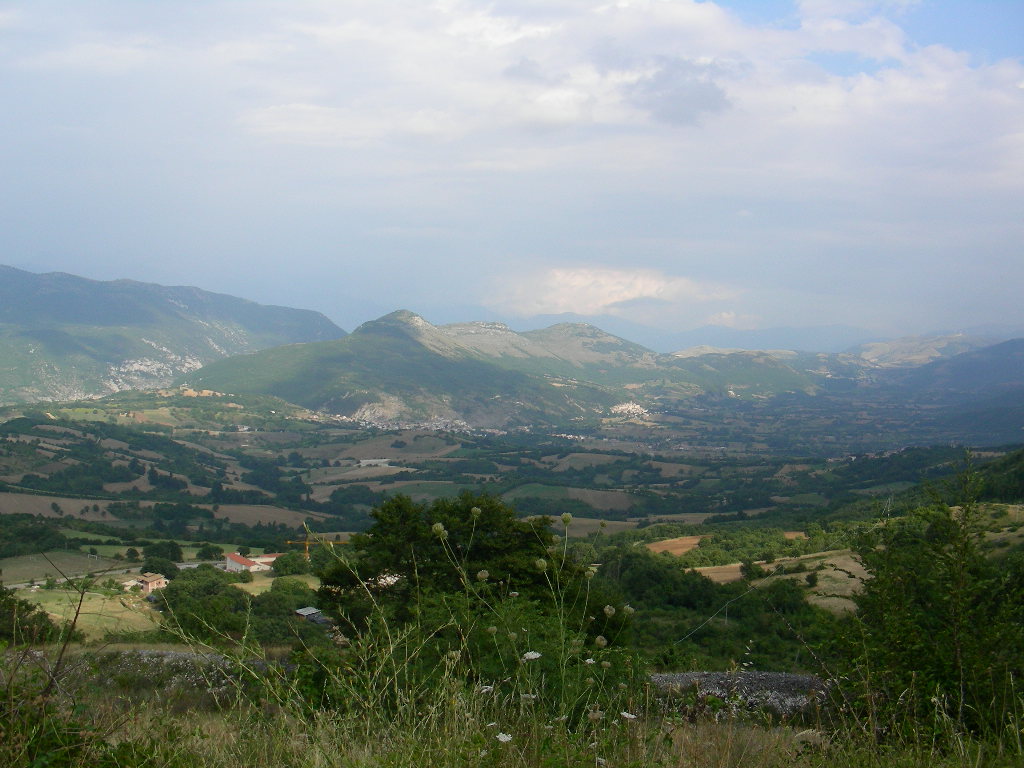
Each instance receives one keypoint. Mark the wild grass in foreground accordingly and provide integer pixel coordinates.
(467, 660)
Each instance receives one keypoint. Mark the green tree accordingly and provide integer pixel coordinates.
(291, 563)
(209, 552)
(23, 622)
(416, 548)
(938, 623)
(159, 565)
(170, 550)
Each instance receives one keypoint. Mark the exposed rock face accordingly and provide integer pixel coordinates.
(64, 337)
(779, 692)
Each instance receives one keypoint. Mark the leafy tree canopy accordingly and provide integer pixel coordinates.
(440, 546)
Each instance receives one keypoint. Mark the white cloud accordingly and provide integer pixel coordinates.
(829, 152)
(596, 291)
(327, 126)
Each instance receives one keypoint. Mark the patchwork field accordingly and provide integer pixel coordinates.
(677, 546)
(19, 570)
(99, 614)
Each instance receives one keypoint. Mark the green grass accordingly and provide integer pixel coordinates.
(537, 491)
(16, 570)
(100, 613)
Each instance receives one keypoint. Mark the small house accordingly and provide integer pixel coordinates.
(235, 562)
(150, 582)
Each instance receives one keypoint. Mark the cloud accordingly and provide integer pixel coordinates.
(829, 160)
(730, 319)
(597, 291)
(678, 91)
(320, 125)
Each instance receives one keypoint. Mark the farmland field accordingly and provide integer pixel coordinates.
(16, 570)
(100, 613)
(677, 546)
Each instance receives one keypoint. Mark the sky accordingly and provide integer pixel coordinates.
(666, 164)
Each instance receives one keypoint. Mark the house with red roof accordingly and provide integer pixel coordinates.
(235, 562)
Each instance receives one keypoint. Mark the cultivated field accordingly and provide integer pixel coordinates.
(100, 613)
(20, 570)
(677, 546)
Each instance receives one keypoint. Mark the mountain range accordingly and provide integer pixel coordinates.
(63, 337)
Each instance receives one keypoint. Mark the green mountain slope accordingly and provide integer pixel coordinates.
(401, 367)
(64, 337)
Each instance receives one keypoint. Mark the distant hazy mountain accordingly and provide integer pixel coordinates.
(828, 338)
(64, 337)
(996, 370)
(913, 351)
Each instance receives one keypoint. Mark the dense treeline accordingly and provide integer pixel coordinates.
(27, 535)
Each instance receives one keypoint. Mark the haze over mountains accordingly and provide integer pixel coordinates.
(64, 337)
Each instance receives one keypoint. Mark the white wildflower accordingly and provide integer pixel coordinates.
(627, 715)
(504, 738)
(531, 655)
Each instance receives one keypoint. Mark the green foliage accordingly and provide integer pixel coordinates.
(205, 604)
(939, 627)
(413, 544)
(685, 621)
(160, 565)
(24, 622)
(169, 550)
(24, 535)
(460, 586)
(291, 563)
(209, 552)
